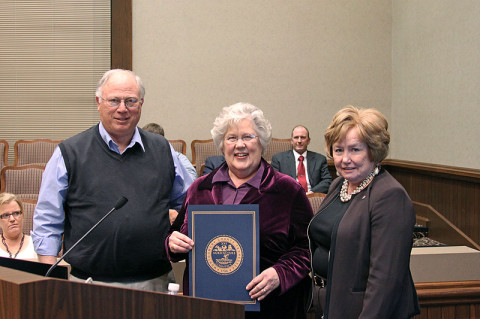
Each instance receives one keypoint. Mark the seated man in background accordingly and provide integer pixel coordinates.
(213, 162)
(310, 169)
(158, 129)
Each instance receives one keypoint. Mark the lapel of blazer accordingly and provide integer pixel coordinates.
(311, 163)
(291, 168)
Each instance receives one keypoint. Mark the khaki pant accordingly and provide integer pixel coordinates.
(159, 284)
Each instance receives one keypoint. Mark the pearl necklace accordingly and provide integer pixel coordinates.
(345, 197)
(8, 250)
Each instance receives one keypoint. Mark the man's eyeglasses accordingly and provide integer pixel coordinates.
(245, 138)
(131, 103)
(14, 214)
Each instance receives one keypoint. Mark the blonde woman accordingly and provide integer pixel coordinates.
(361, 237)
(14, 243)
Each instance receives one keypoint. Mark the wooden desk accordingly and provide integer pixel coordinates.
(24, 295)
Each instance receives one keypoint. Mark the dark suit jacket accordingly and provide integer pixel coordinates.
(369, 264)
(317, 169)
(212, 162)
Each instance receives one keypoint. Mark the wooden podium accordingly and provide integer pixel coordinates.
(25, 295)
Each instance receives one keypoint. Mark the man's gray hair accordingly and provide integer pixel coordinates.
(106, 76)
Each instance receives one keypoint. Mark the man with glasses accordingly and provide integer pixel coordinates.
(310, 169)
(89, 172)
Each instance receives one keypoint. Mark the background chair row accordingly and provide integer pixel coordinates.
(39, 151)
(24, 181)
(27, 152)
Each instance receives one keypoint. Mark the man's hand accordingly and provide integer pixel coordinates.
(47, 259)
(172, 214)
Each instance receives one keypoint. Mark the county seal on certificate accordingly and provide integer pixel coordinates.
(225, 257)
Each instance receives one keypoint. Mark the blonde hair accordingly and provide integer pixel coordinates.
(7, 198)
(372, 129)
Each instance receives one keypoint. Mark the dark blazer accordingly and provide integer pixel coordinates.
(369, 264)
(284, 216)
(212, 162)
(317, 169)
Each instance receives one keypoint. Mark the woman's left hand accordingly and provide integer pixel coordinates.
(263, 284)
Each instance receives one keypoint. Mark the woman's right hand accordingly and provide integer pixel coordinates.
(178, 243)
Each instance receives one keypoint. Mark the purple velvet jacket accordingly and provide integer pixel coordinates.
(284, 214)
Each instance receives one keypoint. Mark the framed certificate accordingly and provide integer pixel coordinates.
(225, 257)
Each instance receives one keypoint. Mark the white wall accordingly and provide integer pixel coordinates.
(436, 82)
(299, 61)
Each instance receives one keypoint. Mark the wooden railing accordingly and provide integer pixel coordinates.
(449, 300)
(440, 228)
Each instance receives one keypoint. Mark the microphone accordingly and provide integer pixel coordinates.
(122, 201)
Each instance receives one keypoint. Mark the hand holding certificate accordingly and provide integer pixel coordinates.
(263, 284)
(180, 243)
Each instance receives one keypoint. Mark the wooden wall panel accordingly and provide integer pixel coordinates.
(449, 300)
(121, 48)
(454, 192)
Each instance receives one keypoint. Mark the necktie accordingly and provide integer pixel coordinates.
(301, 174)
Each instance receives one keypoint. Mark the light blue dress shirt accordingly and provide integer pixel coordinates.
(187, 164)
(49, 216)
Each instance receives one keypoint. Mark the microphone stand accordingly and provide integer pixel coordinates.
(122, 201)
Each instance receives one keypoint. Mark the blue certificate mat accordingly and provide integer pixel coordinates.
(225, 257)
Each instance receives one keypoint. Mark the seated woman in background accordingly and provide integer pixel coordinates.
(15, 244)
(362, 235)
(241, 132)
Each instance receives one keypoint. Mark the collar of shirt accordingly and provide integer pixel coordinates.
(114, 146)
(255, 181)
(304, 154)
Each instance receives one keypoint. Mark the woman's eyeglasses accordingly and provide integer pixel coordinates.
(14, 214)
(245, 138)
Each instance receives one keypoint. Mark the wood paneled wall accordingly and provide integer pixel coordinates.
(452, 191)
(121, 21)
(446, 300)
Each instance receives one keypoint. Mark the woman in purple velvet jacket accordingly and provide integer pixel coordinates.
(242, 133)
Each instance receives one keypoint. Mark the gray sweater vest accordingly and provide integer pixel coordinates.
(130, 242)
